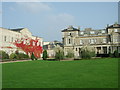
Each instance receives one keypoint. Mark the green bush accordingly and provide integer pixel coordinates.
(70, 54)
(4, 55)
(59, 56)
(116, 54)
(87, 52)
(33, 57)
(14, 56)
(111, 54)
(59, 53)
(44, 55)
(23, 56)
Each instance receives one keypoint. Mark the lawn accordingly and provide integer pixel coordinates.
(98, 73)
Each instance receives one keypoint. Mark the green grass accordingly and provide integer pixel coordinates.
(98, 73)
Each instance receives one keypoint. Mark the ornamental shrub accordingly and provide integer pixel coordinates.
(70, 54)
(87, 52)
(33, 57)
(23, 56)
(14, 56)
(116, 54)
(44, 55)
(59, 53)
(3, 55)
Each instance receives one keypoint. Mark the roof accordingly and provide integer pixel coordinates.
(17, 30)
(114, 26)
(70, 28)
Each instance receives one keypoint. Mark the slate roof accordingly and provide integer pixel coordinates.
(114, 26)
(70, 28)
(17, 30)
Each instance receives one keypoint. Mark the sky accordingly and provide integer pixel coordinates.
(47, 19)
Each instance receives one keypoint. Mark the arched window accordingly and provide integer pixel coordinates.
(69, 41)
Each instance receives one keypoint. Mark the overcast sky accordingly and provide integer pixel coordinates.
(47, 19)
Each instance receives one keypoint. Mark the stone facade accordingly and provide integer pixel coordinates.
(50, 47)
(8, 37)
(103, 40)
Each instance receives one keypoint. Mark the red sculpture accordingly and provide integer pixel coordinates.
(29, 46)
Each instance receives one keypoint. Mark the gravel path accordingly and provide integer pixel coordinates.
(16, 61)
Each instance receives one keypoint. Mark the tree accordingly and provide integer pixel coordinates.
(45, 55)
(29, 45)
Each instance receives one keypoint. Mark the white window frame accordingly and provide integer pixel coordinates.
(81, 42)
(104, 40)
(92, 41)
(115, 30)
(82, 33)
(103, 31)
(92, 32)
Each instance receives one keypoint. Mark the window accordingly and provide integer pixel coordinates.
(5, 38)
(92, 32)
(76, 49)
(115, 30)
(70, 34)
(12, 39)
(92, 41)
(81, 32)
(81, 42)
(115, 40)
(95, 40)
(103, 31)
(104, 40)
(69, 41)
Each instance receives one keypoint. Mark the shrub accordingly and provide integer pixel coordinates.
(44, 55)
(110, 54)
(70, 54)
(4, 55)
(23, 56)
(33, 57)
(116, 54)
(26, 56)
(14, 56)
(59, 53)
(87, 52)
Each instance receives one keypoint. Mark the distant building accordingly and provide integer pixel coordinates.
(103, 40)
(50, 46)
(8, 37)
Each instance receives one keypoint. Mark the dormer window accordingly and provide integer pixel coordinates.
(81, 32)
(103, 31)
(92, 32)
